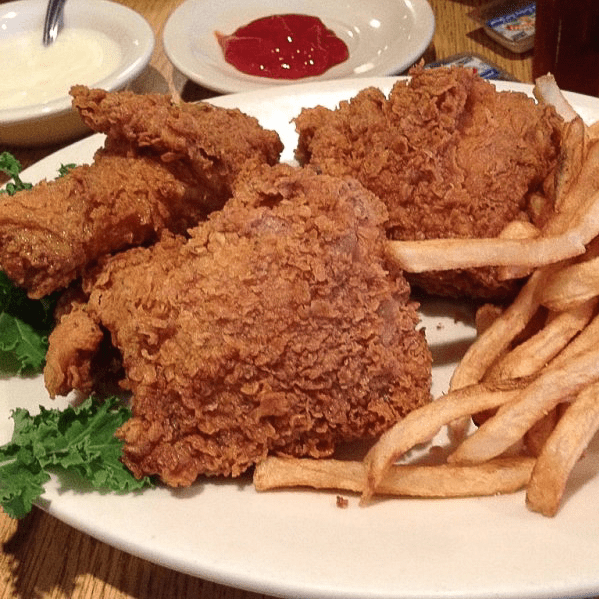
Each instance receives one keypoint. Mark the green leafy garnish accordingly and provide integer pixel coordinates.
(77, 441)
(65, 168)
(10, 166)
(24, 328)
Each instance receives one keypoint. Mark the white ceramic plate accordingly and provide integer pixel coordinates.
(298, 543)
(55, 121)
(383, 38)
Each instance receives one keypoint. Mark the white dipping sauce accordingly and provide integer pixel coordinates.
(40, 74)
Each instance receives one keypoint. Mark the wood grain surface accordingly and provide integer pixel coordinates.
(40, 556)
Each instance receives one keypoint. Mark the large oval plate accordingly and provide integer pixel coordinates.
(298, 543)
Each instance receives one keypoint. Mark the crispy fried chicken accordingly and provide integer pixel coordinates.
(213, 143)
(133, 190)
(275, 328)
(448, 154)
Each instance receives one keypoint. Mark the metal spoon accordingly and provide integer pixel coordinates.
(53, 22)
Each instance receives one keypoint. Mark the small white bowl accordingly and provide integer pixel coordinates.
(56, 121)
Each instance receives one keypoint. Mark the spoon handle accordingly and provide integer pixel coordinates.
(53, 21)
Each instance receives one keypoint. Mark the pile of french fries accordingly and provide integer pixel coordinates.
(530, 381)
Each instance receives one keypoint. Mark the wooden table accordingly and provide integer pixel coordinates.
(41, 557)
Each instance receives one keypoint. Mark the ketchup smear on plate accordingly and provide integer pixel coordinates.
(283, 47)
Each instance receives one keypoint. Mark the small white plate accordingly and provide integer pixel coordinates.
(56, 121)
(383, 38)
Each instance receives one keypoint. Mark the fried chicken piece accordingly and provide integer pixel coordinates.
(70, 358)
(275, 328)
(50, 233)
(448, 154)
(214, 143)
(128, 196)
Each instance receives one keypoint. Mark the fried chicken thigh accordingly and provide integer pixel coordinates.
(448, 154)
(275, 328)
(130, 193)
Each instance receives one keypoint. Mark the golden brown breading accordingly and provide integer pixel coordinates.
(130, 194)
(449, 155)
(70, 355)
(275, 328)
(203, 145)
(50, 233)
(215, 143)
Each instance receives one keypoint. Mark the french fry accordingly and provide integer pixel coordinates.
(562, 450)
(576, 190)
(572, 285)
(580, 195)
(539, 432)
(540, 206)
(511, 422)
(451, 254)
(421, 425)
(546, 90)
(504, 475)
(584, 341)
(278, 473)
(571, 160)
(593, 132)
(498, 336)
(493, 342)
(485, 316)
(533, 354)
(517, 229)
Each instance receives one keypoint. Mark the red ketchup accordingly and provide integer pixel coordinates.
(283, 47)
